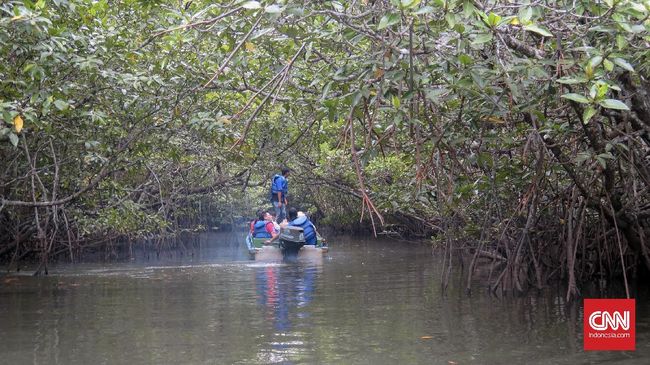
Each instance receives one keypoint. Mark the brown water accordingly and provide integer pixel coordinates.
(366, 302)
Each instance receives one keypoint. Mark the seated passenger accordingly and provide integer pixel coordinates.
(299, 219)
(263, 227)
(252, 223)
(276, 226)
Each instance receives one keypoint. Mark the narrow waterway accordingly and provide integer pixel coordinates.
(365, 302)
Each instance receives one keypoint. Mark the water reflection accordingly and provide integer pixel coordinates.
(283, 293)
(369, 302)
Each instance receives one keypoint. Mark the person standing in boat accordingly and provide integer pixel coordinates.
(279, 190)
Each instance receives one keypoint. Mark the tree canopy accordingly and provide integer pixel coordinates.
(519, 130)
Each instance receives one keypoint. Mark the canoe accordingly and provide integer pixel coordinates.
(291, 242)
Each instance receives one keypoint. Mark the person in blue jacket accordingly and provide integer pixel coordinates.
(279, 190)
(301, 220)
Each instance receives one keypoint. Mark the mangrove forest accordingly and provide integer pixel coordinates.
(511, 136)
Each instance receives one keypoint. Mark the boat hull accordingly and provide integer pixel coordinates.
(258, 250)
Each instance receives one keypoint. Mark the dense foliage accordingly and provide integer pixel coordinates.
(516, 130)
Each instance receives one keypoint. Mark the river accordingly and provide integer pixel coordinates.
(365, 302)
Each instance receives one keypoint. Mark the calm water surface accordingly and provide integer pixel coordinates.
(366, 302)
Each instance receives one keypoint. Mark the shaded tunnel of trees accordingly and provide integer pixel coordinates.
(515, 133)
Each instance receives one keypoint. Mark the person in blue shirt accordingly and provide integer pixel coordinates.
(279, 190)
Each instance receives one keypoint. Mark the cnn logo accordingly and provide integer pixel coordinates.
(609, 324)
(602, 321)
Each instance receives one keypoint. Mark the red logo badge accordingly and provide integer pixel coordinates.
(609, 324)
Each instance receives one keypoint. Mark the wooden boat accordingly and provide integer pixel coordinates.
(290, 242)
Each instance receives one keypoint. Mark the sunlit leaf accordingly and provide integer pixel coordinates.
(576, 97)
(451, 19)
(595, 61)
(588, 114)
(61, 104)
(525, 14)
(624, 64)
(252, 5)
(537, 29)
(396, 101)
(18, 123)
(409, 4)
(273, 9)
(609, 66)
(493, 19)
(613, 104)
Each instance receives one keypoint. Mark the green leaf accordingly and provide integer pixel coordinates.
(13, 138)
(621, 42)
(595, 61)
(525, 14)
(409, 4)
(396, 101)
(576, 97)
(434, 94)
(465, 59)
(468, 9)
(601, 89)
(61, 104)
(388, 20)
(251, 5)
(623, 64)
(482, 38)
(493, 19)
(593, 90)
(539, 30)
(424, 10)
(273, 9)
(296, 10)
(326, 90)
(451, 19)
(609, 66)
(588, 114)
(613, 104)
(571, 80)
